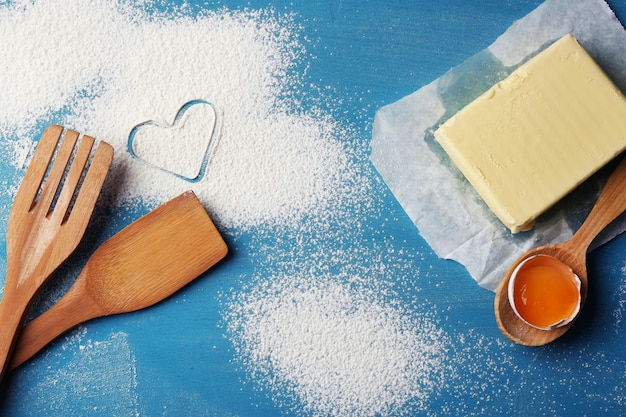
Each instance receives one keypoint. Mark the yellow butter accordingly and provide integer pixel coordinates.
(533, 137)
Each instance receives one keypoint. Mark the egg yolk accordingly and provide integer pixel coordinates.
(545, 291)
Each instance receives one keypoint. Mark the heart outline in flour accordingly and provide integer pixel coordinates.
(181, 115)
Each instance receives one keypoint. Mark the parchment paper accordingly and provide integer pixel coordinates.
(445, 208)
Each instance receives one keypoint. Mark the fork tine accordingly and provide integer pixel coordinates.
(34, 176)
(74, 175)
(90, 188)
(57, 171)
(35, 245)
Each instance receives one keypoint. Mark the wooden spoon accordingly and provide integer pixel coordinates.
(573, 252)
(141, 265)
(48, 221)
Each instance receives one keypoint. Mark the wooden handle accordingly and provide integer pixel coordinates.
(610, 204)
(12, 316)
(74, 308)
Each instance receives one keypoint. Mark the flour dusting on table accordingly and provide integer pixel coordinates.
(283, 179)
(340, 349)
(102, 371)
(110, 67)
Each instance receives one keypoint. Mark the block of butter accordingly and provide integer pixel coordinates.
(533, 137)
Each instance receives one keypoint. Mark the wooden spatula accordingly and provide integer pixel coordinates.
(46, 224)
(141, 265)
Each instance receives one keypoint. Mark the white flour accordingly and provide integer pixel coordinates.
(282, 174)
(102, 372)
(110, 68)
(339, 349)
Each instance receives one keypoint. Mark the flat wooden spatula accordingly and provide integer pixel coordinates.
(141, 265)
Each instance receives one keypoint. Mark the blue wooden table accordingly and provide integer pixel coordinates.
(179, 359)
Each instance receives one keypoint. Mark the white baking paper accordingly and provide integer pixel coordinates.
(445, 208)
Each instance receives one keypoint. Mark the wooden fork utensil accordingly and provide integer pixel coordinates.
(49, 216)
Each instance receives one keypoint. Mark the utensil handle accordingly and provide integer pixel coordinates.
(610, 204)
(12, 315)
(74, 308)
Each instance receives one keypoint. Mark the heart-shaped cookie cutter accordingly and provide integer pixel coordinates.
(179, 121)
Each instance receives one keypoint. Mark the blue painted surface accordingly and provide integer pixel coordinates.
(369, 53)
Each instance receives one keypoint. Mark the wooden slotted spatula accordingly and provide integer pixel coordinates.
(141, 265)
(49, 216)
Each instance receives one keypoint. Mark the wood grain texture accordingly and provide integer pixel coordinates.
(44, 228)
(141, 265)
(573, 252)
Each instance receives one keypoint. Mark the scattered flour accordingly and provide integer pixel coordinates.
(338, 349)
(101, 371)
(621, 301)
(281, 173)
(111, 66)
